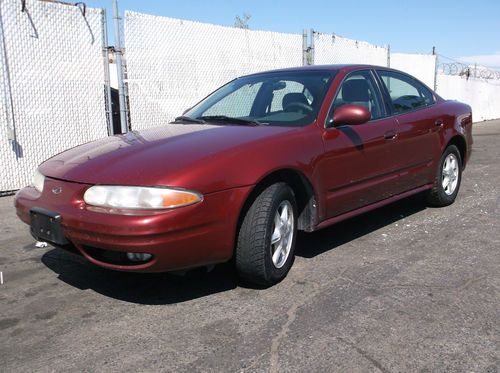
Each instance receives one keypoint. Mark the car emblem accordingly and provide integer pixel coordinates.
(57, 190)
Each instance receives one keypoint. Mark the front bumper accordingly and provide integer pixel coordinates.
(181, 238)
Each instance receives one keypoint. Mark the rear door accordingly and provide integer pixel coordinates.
(358, 167)
(418, 144)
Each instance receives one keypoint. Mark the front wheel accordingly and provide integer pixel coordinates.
(448, 177)
(266, 241)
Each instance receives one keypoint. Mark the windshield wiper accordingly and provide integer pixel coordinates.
(184, 118)
(226, 119)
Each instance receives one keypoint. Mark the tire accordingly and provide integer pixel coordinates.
(448, 178)
(259, 233)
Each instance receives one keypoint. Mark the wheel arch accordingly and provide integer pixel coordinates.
(461, 144)
(304, 193)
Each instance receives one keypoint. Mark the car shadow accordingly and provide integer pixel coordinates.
(310, 245)
(167, 288)
(140, 288)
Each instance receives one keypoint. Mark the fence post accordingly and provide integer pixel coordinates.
(305, 51)
(119, 68)
(388, 55)
(105, 51)
(435, 68)
(8, 104)
(311, 48)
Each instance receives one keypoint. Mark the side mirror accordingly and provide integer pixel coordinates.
(350, 115)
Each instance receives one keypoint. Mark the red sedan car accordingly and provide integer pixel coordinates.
(240, 172)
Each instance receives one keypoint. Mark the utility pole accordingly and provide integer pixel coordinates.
(119, 68)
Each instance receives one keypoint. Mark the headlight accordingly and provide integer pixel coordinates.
(38, 181)
(131, 197)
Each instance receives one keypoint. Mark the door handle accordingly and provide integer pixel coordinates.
(390, 135)
(439, 123)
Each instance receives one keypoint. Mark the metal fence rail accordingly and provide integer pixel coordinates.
(52, 83)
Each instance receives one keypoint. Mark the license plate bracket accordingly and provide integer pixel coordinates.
(46, 226)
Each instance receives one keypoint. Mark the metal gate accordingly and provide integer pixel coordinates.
(52, 83)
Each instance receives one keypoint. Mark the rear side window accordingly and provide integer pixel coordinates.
(406, 93)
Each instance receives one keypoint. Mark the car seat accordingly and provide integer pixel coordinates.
(294, 97)
(357, 92)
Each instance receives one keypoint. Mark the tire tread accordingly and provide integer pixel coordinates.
(250, 257)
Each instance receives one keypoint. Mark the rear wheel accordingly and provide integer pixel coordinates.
(448, 177)
(266, 241)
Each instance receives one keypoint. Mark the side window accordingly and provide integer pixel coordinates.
(406, 93)
(359, 89)
(238, 103)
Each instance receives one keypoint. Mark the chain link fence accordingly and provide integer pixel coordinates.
(172, 63)
(335, 49)
(54, 73)
(51, 82)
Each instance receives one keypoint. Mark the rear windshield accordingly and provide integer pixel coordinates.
(288, 98)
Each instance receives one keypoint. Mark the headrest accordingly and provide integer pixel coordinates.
(356, 90)
(294, 97)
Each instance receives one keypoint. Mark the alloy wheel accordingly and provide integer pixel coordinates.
(282, 237)
(449, 179)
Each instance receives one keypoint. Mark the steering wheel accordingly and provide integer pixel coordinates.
(298, 105)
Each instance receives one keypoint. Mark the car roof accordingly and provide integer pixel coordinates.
(346, 67)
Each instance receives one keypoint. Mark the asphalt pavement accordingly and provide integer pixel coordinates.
(404, 288)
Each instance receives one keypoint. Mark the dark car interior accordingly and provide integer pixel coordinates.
(358, 92)
(293, 100)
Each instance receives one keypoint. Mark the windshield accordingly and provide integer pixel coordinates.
(287, 98)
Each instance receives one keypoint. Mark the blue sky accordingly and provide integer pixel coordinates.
(464, 30)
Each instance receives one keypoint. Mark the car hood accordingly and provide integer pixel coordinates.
(156, 156)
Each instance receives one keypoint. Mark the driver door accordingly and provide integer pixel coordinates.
(359, 166)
